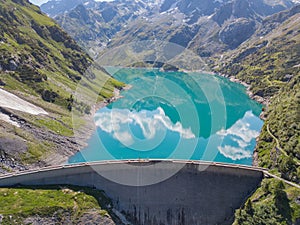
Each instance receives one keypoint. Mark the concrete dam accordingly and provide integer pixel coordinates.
(156, 192)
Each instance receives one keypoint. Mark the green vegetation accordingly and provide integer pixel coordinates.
(39, 57)
(284, 125)
(20, 203)
(42, 64)
(272, 204)
(35, 152)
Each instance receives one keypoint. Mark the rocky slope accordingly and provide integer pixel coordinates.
(43, 65)
(92, 23)
(55, 7)
(269, 58)
(208, 28)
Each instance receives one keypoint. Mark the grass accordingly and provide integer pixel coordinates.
(56, 126)
(36, 152)
(283, 121)
(22, 202)
(33, 12)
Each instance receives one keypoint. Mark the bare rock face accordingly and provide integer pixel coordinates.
(13, 146)
(10, 149)
(236, 32)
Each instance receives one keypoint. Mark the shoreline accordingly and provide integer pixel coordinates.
(256, 98)
(259, 99)
(84, 133)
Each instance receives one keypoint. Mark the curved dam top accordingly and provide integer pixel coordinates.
(157, 191)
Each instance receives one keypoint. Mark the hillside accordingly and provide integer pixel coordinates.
(269, 59)
(41, 64)
(269, 62)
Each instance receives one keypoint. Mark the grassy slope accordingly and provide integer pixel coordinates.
(42, 64)
(283, 120)
(47, 58)
(269, 63)
(59, 202)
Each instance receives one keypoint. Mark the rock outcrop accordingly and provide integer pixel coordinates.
(236, 32)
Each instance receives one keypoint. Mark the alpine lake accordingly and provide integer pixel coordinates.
(175, 115)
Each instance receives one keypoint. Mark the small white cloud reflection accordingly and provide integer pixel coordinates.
(234, 153)
(242, 135)
(117, 121)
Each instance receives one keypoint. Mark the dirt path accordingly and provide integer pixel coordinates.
(278, 145)
(276, 140)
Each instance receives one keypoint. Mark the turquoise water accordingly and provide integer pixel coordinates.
(175, 115)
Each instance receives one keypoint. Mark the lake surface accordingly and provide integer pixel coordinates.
(175, 115)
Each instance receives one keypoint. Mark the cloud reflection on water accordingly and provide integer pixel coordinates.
(117, 123)
(241, 135)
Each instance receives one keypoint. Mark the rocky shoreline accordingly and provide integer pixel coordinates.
(259, 99)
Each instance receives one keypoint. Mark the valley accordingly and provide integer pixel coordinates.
(62, 66)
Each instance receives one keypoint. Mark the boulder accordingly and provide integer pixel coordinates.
(13, 65)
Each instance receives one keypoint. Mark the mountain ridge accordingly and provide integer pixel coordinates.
(220, 22)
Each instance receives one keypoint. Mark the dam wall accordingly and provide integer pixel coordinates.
(158, 192)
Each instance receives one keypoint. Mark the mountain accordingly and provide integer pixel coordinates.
(93, 24)
(41, 66)
(56, 7)
(209, 28)
(223, 10)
